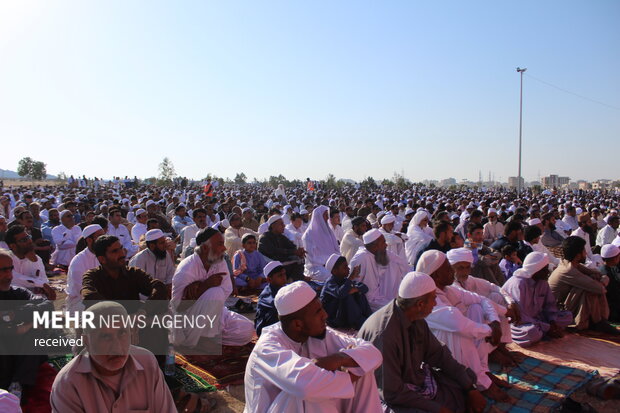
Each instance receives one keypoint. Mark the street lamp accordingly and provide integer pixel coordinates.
(520, 70)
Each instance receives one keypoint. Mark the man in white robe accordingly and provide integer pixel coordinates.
(464, 321)
(120, 231)
(352, 239)
(189, 232)
(295, 230)
(301, 365)
(204, 277)
(233, 234)
(609, 232)
(85, 260)
(139, 228)
(380, 270)
(66, 236)
(395, 240)
(420, 235)
(155, 259)
(493, 229)
(335, 225)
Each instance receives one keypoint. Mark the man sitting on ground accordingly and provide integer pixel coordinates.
(266, 313)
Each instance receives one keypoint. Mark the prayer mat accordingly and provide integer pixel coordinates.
(597, 335)
(219, 371)
(538, 386)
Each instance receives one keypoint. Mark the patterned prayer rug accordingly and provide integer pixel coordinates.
(538, 386)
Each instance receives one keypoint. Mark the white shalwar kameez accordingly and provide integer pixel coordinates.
(351, 242)
(65, 240)
(235, 329)
(27, 273)
(281, 376)
(81, 263)
(122, 233)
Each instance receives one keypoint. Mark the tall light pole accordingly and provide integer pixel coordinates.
(520, 70)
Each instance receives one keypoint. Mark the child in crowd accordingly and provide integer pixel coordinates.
(266, 313)
(248, 264)
(511, 262)
(344, 299)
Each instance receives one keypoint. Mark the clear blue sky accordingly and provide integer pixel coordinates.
(307, 88)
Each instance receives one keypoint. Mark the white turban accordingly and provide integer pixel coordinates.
(534, 221)
(293, 297)
(419, 217)
(371, 236)
(491, 211)
(459, 255)
(430, 261)
(416, 284)
(388, 219)
(534, 262)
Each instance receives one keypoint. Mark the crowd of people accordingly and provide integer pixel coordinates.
(369, 299)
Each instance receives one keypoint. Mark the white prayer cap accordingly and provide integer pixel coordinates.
(273, 219)
(149, 203)
(491, 211)
(125, 201)
(225, 223)
(371, 236)
(534, 221)
(459, 255)
(430, 261)
(9, 403)
(416, 284)
(388, 219)
(64, 212)
(90, 230)
(293, 297)
(140, 212)
(534, 262)
(453, 216)
(331, 261)
(271, 265)
(609, 251)
(153, 235)
(246, 209)
(303, 212)
(409, 211)
(578, 211)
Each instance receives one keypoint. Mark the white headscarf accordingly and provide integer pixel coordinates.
(534, 262)
(319, 239)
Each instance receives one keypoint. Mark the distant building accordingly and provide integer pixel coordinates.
(555, 181)
(447, 182)
(583, 185)
(602, 184)
(513, 182)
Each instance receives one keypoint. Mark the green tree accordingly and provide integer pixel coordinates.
(35, 170)
(369, 183)
(166, 171)
(400, 181)
(240, 178)
(330, 181)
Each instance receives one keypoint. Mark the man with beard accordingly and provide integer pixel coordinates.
(274, 245)
(493, 229)
(352, 239)
(52, 222)
(234, 233)
(152, 209)
(110, 374)
(42, 247)
(200, 286)
(418, 372)
(381, 271)
(347, 218)
(301, 365)
(580, 289)
(466, 322)
(155, 260)
(443, 236)
(85, 260)
(551, 237)
(117, 229)
(248, 220)
(609, 232)
(585, 231)
(66, 236)
(29, 270)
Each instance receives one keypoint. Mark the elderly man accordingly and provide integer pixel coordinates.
(352, 238)
(301, 365)
(465, 322)
(155, 259)
(420, 236)
(539, 315)
(274, 245)
(66, 236)
(319, 243)
(110, 374)
(580, 289)
(234, 233)
(493, 229)
(395, 240)
(381, 271)
(117, 229)
(29, 270)
(609, 232)
(84, 261)
(418, 372)
(200, 286)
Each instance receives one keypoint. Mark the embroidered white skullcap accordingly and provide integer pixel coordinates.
(153, 235)
(90, 230)
(430, 261)
(273, 219)
(271, 265)
(331, 261)
(609, 251)
(534, 221)
(534, 262)
(416, 284)
(371, 236)
(293, 297)
(388, 219)
(459, 255)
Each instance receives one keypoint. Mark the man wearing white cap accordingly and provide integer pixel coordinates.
(461, 260)
(418, 372)
(155, 259)
(85, 260)
(539, 315)
(609, 232)
(611, 257)
(266, 313)
(380, 270)
(352, 239)
(139, 228)
(580, 289)
(204, 278)
(395, 240)
(493, 229)
(301, 365)
(66, 236)
(465, 322)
